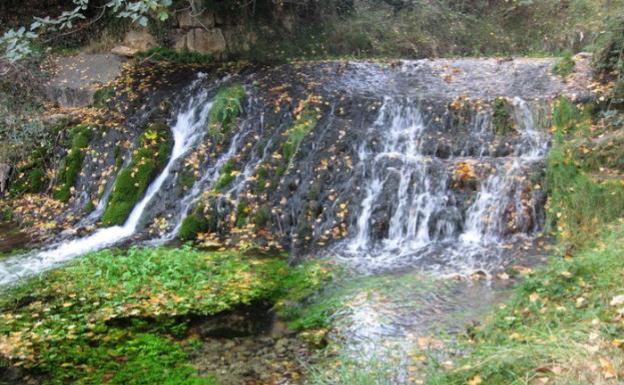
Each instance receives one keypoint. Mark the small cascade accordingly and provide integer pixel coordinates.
(187, 131)
(414, 213)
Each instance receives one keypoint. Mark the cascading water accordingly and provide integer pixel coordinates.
(187, 131)
(413, 213)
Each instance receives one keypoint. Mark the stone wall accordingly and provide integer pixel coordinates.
(202, 30)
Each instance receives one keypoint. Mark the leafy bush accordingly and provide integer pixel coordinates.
(227, 175)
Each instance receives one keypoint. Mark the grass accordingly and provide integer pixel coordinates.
(121, 318)
(148, 159)
(72, 164)
(561, 326)
(558, 322)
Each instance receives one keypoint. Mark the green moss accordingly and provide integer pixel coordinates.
(262, 216)
(150, 156)
(502, 117)
(173, 56)
(186, 178)
(191, 226)
(72, 164)
(31, 177)
(227, 106)
(109, 318)
(564, 65)
(102, 96)
(304, 123)
(242, 212)
(226, 176)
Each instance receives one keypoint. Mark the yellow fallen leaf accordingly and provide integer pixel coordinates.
(476, 380)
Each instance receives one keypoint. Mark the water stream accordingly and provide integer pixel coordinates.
(188, 129)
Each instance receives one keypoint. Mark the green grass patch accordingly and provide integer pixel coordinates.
(117, 318)
(31, 176)
(102, 96)
(227, 107)
(554, 316)
(150, 156)
(72, 164)
(579, 204)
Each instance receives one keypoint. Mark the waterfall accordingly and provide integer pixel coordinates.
(189, 128)
(412, 213)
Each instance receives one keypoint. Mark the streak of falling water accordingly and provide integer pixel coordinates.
(187, 132)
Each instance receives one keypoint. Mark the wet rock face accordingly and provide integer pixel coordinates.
(313, 137)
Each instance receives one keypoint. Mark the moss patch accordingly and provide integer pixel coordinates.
(191, 226)
(112, 318)
(564, 65)
(31, 176)
(72, 164)
(151, 155)
(226, 108)
(502, 117)
(227, 175)
(305, 122)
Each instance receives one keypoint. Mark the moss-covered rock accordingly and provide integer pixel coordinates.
(305, 122)
(191, 226)
(72, 164)
(564, 65)
(227, 175)
(502, 117)
(31, 176)
(150, 156)
(226, 108)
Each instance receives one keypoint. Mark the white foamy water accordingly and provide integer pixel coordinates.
(410, 197)
(189, 128)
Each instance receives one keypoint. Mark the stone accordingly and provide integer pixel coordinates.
(134, 42)
(76, 78)
(5, 171)
(196, 19)
(206, 41)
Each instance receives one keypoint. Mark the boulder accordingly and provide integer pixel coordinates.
(5, 171)
(134, 42)
(205, 41)
(76, 78)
